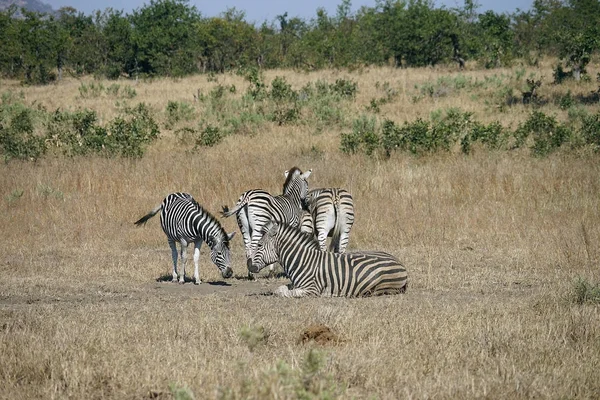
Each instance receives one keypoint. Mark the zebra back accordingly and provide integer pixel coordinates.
(332, 211)
(182, 217)
(316, 272)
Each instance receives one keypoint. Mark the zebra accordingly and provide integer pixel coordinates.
(332, 215)
(256, 207)
(314, 272)
(183, 220)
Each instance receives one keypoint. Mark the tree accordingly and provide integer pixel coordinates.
(163, 38)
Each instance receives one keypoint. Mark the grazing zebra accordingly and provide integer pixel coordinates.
(332, 212)
(183, 220)
(257, 207)
(314, 272)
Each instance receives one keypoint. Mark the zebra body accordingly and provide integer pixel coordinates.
(332, 213)
(183, 220)
(322, 273)
(256, 207)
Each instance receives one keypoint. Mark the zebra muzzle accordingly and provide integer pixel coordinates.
(251, 267)
(227, 273)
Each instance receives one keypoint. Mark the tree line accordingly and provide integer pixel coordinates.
(172, 38)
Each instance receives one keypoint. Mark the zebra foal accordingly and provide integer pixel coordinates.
(256, 207)
(183, 220)
(321, 273)
(332, 215)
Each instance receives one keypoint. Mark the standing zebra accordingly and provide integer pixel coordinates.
(314, 272)
(332, 215)
(257, 207)
(183, 220)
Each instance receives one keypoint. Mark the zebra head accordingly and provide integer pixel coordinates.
(296, 183)
(221, 255)
(264, 253)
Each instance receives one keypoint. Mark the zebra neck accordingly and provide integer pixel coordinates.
(299, 261)
(209, 230)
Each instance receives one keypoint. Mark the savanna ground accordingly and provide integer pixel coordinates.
(493, 243)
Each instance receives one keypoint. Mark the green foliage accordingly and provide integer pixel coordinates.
(17, 134)
(585, 292)
(566, 101)
(91, 90)
(178, 111)
(254, 336)
(310, 380)
(28, 134)
(171, 38)
(492, 136)
(548, 135)
(95, 90)
(257, 89)
(363, 137)
(210, 136)
(181, 392)
(129, 134)
(590, 130)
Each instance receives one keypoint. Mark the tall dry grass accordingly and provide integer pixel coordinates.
(492, 242)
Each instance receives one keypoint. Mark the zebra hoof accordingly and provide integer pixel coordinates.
(181, 281)
(197, 282)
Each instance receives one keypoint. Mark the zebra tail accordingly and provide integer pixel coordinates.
(337, 231)
(145, 218)
(228, 213)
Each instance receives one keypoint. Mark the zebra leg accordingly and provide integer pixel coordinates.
(197, 245)
(345, 234)
(174, 255)
(322, 238)
(183, 261)
(284, 291)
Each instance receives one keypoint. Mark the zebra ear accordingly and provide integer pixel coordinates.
(270, 228)
(286, 173)
(230, 235)
(273, 228)
(306, 174)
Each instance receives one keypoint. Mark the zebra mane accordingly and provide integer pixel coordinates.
(214, 220)
(290, 176)
(305, 238)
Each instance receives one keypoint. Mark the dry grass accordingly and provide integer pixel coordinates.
(492, 242)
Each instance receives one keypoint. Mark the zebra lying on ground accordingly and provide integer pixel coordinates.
(332, 215)
(183, 220)
(257, 207)
(321, 273)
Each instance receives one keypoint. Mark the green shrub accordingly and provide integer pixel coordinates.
(130, 133)
(210, 136)
(548, 135)
(91, 90)
(178, 111)
(586, 292)
(590, 130)
(492, 136)
(363, 136)
(17, 137)
(344, 88)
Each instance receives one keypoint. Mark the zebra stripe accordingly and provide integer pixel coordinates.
(332, 212)
(183, 220)
(256, 207)
(322, 273)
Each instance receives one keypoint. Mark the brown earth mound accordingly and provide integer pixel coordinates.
(320, 334)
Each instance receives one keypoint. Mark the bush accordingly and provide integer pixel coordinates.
(17, 137)
(585, 292)
(210, 136)
(178, 111)
(590, 130)
(363, 136)
(548, 135)
(492, 136)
